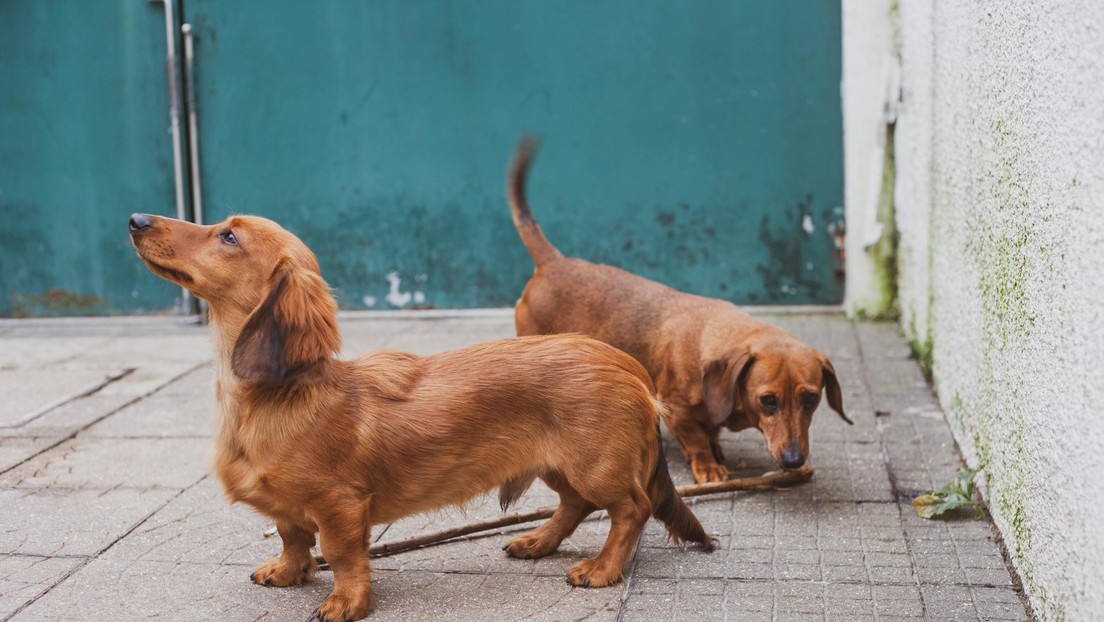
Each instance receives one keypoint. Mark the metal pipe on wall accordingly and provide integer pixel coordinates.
(193, 123)
(188, 303)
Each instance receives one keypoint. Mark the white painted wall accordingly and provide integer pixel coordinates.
(1000, 208)
(869, 66)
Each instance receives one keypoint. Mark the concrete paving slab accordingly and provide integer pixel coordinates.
(16, 450)
(186, 408)
(109, 463)
(690, 600)
(182, 347)
(39, 374)
(200, 527)
(30, 393)
(66, 522)
(24, 578)
(403, 596)
(197, 384)
(422, 336)
(122, 591)
(69, 418)
(26, 348)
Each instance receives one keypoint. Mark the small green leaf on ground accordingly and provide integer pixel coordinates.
(957, 493)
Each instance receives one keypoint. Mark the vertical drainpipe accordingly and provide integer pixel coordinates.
(187, 301)
(193, 123)
(193, 139)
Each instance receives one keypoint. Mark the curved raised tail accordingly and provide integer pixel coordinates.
(668, 506)
(531, 235)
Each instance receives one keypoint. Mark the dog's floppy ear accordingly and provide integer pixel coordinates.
(832, 388)
(294, 327)
(723, 385)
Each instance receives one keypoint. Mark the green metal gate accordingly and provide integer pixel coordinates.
(698, 143)
(83, 142)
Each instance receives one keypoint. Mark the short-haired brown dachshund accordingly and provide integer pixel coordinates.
(713, 364)
(334, 446)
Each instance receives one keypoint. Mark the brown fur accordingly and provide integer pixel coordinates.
(334, 446)
(711, 362)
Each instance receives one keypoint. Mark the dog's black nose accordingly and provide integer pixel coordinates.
(792, 459)
(139, 222)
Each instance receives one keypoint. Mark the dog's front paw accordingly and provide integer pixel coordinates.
(529, 546)
(341, 608)
(282, 572)
(709, 472)
(593, 573)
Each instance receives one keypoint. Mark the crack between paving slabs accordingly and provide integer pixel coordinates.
(820, 560)
(824, 582)
(41, 556)
(774, 558)
(1017, 583)
(626, 590)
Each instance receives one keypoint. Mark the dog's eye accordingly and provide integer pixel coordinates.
(809, 401)
(769, 402)
(228, 238)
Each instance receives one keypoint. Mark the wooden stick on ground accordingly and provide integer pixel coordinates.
(767, 481)
(773, 479)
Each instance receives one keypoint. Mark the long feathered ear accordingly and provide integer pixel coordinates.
(723, 385)
(832, 388)
(294, 327)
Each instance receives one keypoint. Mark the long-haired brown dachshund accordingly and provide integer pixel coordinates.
(714, 365)
(334, 446)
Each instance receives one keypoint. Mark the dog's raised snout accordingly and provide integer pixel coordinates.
(139, 222)
(792, 458)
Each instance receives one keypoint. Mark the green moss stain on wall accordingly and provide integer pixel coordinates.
(1000, 243)
(923, 352)
(1010, 494)
(885, 250)
(883, 253)
(922, 346)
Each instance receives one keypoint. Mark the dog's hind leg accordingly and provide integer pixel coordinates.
(545, 539)
(627, 517)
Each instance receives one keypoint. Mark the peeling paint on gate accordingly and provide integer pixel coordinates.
(794, 248)
(56, 301)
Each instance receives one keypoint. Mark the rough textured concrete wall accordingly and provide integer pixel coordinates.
(1000, 208)
(913, 192)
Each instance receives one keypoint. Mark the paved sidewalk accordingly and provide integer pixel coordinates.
(108, 510)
